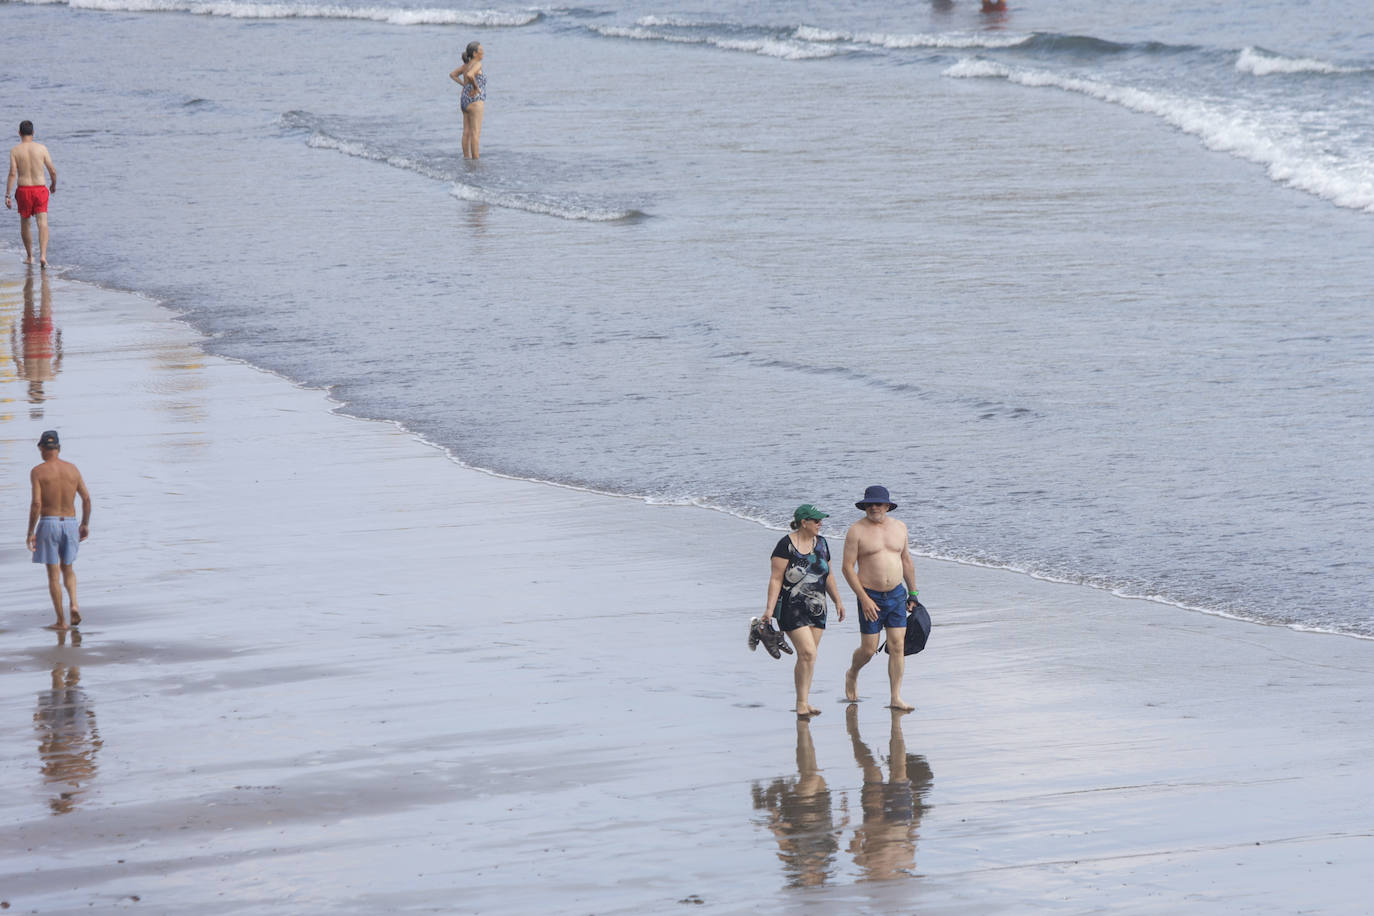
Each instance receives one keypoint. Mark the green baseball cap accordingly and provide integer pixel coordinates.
(806, 510)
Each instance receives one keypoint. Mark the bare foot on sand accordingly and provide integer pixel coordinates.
(851, 685)
(76, 617)
(900, 705)
(43, 265)
(56, 626)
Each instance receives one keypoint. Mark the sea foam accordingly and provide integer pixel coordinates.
(705, 34)
(1259, 63)
(563, 206)
(953, 40)
(237, 9)
(1260, 137)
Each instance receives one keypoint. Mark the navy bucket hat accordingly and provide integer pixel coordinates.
(875, 495)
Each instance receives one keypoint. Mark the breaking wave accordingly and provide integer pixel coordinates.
(1260, 137)
(238, 9)
(1259, 63)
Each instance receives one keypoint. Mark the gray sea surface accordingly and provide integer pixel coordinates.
(1086, 286)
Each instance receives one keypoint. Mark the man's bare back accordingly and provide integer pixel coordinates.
(30, 164)
(55, 485)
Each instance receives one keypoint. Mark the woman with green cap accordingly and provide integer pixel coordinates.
(796, 595)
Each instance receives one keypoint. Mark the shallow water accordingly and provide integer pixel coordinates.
(1084, 286)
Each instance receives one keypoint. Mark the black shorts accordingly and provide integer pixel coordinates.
(793, 615)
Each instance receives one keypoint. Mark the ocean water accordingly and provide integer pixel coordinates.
(1085, 285)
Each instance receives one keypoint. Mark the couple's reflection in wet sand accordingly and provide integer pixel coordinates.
(68, 738)
(37, 346)
(809, 831)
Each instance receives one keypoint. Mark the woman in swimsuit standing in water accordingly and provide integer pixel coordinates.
(474, 82)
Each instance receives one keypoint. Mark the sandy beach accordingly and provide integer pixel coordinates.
(325, 668)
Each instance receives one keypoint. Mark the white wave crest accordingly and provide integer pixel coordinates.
(1261, 139)
(363, 151)
(569, 208)
(532, 203)
(1261, 64)
(954, 40)
(671, 22)
(769, 47)
(238, 9)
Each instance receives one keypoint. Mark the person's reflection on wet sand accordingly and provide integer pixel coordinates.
(800, 817)
(38, 356)
(67, 735)
(884, 845)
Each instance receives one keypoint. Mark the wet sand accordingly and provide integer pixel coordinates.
(324, 668)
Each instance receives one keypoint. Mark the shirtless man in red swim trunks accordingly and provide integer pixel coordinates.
(28, 160)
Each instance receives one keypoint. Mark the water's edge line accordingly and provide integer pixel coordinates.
(341, 408)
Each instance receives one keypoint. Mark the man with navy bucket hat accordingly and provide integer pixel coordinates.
(878, 567)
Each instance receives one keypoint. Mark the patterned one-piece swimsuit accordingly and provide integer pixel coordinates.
(481, 95)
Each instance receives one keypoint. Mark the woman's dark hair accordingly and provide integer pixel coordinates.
(471, 51)
(796, 523)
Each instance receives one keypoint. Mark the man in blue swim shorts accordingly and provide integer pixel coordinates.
(54, 532)
(878, 567)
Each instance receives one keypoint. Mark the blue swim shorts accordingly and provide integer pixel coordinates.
(56, 540)
(891, 610)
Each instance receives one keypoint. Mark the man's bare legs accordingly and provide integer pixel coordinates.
(806, 641)
(69, 579)
(55, 592)
(896, 666)
(868, 647)
(42, 238)
(58, 576)
(26, 233)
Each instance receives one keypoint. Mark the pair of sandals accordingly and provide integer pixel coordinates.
(772, 640)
